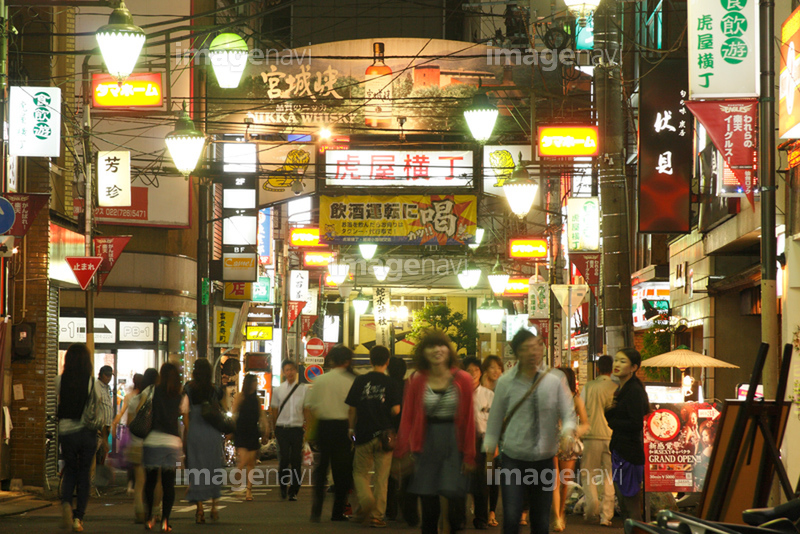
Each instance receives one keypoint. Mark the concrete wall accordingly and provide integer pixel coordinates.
(737, 341)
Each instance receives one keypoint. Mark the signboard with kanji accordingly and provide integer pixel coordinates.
(723, 48)
(583, 224)
(381, 311)
(224, 323)
(238, 291)
(538, 300)
(84, 268)
(789, 99)
(110, 249)
(26, 208)
(114, 178)
(261, 289)
(140, 89)
(34, 125)
(403, 219)
(666, 142)
(398, 168)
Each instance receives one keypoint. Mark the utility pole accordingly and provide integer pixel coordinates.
(616, 278)
(88, 207)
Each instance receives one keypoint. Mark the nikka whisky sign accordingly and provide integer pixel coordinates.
(410, 84)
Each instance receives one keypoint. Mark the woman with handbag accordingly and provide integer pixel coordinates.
(203, 441)
(438, 427)
(249, 416)
(566, 459)
(78, 443)
(162, 446)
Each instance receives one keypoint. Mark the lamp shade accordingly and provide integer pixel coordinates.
(470, 276)
(360, 303)
(481, 117)
(490, 312)
(498, 279)
(228, 54)
(381, 272)
(339, 271)
(368, 250)
(185, 144)
(478, 238)
(582, 9)
(520, 191)
(120, 43)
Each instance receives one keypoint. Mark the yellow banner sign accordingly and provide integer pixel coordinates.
(403, 219)
(238, 291)
(224, 323)
(259, 333)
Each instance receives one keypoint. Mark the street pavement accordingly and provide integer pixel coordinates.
(112, 512)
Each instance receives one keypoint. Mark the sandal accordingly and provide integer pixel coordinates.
(493, 522)
(200, 517)
(165, 526)
(214, 514)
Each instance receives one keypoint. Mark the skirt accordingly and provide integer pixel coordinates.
(161, 457)
(627, 476)
(437, 469)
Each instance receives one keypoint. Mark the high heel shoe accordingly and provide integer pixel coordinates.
(165, 526)
(248, 496)
(214, 515)
(149, 524)
(200, 517)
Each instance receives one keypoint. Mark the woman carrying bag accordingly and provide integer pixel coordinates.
(249, 417)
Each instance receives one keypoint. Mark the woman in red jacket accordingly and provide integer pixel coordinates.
(438, 428)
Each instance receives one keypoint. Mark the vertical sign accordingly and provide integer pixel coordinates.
(265, 236)
(583, 224)
(538, 300)
(789, 115)
(665, 150)
(381, 305)
(114, 178)
(35, 122)
(723, 48)
(298, 285)
(224, 323)
(110, 249)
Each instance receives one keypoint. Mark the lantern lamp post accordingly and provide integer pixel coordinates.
(120, 43)
(228, 53)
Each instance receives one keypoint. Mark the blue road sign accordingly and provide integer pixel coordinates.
(312, 372)
(7, 215)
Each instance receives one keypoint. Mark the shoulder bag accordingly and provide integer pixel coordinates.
(92, 417)
(514, 409)
(289, 396)
(213, 415)
(142, 423)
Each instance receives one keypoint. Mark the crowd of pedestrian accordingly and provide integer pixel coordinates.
(395, 445)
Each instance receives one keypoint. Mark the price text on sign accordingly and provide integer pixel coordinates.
(527, 248)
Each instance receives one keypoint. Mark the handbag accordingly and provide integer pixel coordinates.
(388, 439)
(91, 417)
(142, 422)
(213, 415)
(572, 452)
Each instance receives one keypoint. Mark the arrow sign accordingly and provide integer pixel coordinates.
(569, 296)
(84, 268)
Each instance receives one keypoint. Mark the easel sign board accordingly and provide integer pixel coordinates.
(753, 469)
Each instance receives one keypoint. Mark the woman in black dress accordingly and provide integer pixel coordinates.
(248, 409)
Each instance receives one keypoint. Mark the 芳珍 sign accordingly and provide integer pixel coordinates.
(114, 178)
(403, 219)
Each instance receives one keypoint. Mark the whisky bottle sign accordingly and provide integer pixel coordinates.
(378, 91)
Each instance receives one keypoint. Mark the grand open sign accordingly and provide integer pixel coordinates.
(140, 89)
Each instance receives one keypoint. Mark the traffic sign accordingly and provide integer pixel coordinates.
(84, 268)
(315, 347)
(7, 215)
(315, 360)
(312, 372)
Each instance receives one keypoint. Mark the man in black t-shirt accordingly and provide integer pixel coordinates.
(373, 400)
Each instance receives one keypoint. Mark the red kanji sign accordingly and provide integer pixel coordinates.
(84, 268)
(26, 206)
(306, 322)
(110, 249)
(295, 307)
(588, 265)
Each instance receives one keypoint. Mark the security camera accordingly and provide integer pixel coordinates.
(297, 187)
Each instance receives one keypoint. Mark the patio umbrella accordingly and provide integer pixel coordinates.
(683, 358)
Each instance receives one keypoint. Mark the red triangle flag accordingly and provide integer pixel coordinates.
(110, 249)
(306, 322)
(27, 206)
(732, 126)
(84, 268)
(295, 307)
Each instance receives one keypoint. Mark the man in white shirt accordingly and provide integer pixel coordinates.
(287, 416)
(598, 395)
(325, 403)
(106, 413)
(482, 401)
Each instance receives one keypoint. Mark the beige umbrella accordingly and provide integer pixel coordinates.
(683, 358)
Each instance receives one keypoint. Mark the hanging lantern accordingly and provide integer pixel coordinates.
(498, 279)
(338, 271)
(478, 238)
(120, 43)
(520, 190)
(381, 272)
(470, 276)
(185, 143)
(228, 53)
(490, 312)
(360, 303)
(368, 250)
(481, 117)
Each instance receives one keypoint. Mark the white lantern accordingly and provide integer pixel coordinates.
(481, 117)
(338, 271)
(478, 238)
(498, 279)
(520, 190)
(368, 250)
(470, 276)
(120, 43)
(185, 144)
(582, 9)
(228, 54)
(490, 312)
(381, 272)
(360, 303)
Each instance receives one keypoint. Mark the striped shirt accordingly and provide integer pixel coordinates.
(441, 404)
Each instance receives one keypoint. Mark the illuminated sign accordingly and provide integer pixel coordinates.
(238, 291)
(317, 258)
(239, 267)
(34, 127)
(259, 333)
(583, 224)
(394, 168)
(305, 237)
(527, 248)
(568, 141)
(140, 89)
(517, 287)
(331, 283)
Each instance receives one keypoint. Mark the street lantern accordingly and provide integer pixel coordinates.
(338, 271)
(470, 276)
(360, 303)
(490, 312)
(478, 238)
(380, 272)
(582, 9)
(367, 250)
(481, 117)
(120, 43)
(185, 143)
(498, 279)
(228, 53)
(520, 190)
